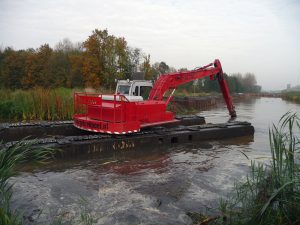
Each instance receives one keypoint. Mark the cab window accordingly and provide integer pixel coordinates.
(145, 91)
(123, 89)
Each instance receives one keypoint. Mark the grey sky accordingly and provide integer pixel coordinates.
(259, 36)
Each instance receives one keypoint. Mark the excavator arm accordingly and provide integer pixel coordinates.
(172, 80)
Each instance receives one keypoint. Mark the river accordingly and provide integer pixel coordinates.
(157, 186)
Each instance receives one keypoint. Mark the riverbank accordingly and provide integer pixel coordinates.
(192, 104)
(293, 96)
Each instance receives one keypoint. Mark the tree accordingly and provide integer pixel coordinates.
(38, 71)
(237, 79)
(59, 69)
(94, 60)
(243, 83)
(13, 68)
(108, 55)
(146, 67)
(75, 78)
(135, 56)
(69, 47)
(99, 60)
(91, 72)
(122, 59)
(249, 81)
(163, 68)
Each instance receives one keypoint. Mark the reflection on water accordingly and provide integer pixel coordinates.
(156, 186)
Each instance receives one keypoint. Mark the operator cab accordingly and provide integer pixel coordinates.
(139, 88)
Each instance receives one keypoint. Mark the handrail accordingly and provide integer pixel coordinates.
(83, 100)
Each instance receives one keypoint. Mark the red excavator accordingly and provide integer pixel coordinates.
(127, 112)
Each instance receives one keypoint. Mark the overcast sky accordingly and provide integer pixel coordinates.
(258, 36)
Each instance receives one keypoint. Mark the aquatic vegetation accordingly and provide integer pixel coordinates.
(10, 158)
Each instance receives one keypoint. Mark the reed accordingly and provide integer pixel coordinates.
(36, 104)
(11, 157)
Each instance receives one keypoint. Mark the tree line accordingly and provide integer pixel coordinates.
(237, 83)
(96, 62)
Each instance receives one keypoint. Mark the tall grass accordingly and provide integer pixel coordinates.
(10, 158)
(36, 104)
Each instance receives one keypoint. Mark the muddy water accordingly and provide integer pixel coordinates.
(153, 186)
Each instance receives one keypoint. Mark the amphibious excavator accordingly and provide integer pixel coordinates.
(127, 111)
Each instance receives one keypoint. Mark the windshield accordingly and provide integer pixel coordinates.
(123, 89)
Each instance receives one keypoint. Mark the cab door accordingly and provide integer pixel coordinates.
(135, 90)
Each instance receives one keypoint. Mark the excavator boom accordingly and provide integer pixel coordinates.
(173, 80)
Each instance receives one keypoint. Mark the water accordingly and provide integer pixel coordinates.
(150, 187)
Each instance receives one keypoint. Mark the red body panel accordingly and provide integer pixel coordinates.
(119, 117)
